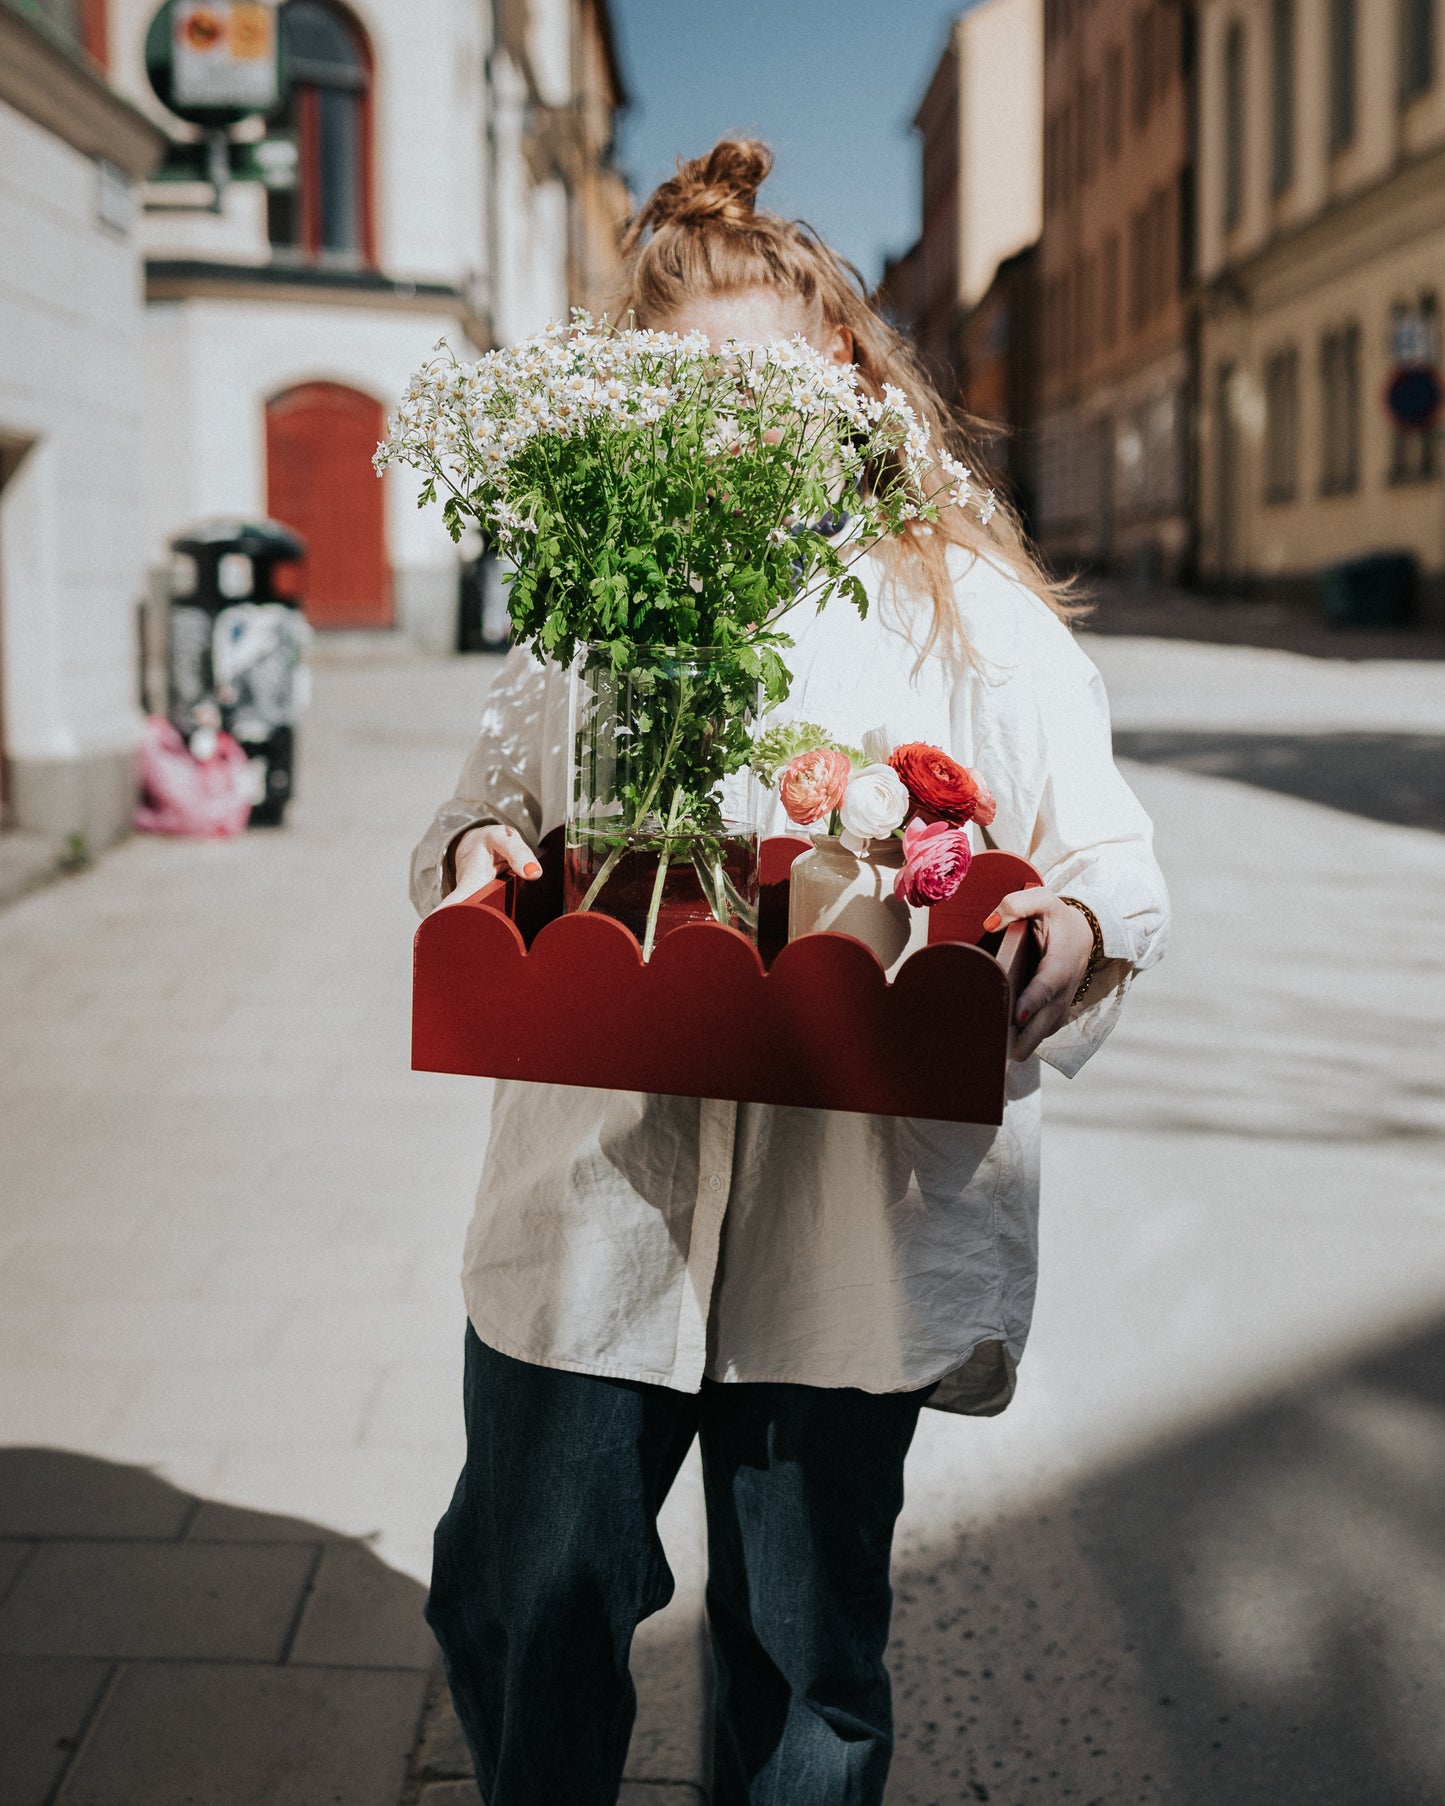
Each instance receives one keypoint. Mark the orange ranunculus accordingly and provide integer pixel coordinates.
(813, 783)
(943, 789)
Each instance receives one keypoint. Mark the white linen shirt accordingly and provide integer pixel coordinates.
(667, 1239)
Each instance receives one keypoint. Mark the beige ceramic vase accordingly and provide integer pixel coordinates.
(835, 890)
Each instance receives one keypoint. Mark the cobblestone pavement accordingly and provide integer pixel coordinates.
(1197, 1560)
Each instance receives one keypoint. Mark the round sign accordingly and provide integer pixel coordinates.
(1415, 396)
(213, 62)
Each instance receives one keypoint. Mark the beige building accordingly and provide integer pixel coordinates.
(1321, 247)
(981, 125)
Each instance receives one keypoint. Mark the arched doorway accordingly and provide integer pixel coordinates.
(319, 480)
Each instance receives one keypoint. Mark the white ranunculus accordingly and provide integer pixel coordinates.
(873, 805)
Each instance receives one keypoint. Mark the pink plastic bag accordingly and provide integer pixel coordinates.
(182, 794)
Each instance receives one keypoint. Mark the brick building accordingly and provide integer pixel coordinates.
(1114, 267)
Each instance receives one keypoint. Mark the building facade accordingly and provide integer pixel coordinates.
(1113, 462)
(1321, 248)
(72, 540)
(452, 178)
(981, 132)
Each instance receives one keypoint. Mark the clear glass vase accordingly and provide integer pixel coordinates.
(662, 818)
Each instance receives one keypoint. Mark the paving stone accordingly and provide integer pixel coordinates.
(43, 1708)
(216, 1522)
(450, 1793)
(13, 1557)
(237, 1734)
(52, 1492)
(443, 1754)
(42, 1402)
(232, 1601)
(660, 1793)
(360, 1613)
(301, 1407)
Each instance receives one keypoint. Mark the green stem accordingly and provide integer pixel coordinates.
(604, 872)
(654, 907)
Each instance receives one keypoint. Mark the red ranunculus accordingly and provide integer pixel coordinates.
(935, 858)
(943, 789)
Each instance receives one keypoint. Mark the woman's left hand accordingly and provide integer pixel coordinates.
(1065, 942)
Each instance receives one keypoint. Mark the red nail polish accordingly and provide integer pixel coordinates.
(993, 921)
(1024, 1016)
(531, 869)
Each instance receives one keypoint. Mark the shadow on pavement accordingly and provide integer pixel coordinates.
(1252, 1614)
(158, 1649)
(1397, 778)
(1255, 1616)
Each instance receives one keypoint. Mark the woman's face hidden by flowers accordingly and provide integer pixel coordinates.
(757, 316)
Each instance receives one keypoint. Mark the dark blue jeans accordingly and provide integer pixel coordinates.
(548, 1558)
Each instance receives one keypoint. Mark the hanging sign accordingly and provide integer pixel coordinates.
(223, 55)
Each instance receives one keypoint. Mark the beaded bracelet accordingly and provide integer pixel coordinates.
(1096, 952)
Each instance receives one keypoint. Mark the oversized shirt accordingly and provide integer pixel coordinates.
(669, 1239)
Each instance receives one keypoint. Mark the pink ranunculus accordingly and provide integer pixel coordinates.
(935, 857)
(812, 784)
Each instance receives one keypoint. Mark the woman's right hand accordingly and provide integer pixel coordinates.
(486, 852)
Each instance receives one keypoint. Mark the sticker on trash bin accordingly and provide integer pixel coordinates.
(234, 575)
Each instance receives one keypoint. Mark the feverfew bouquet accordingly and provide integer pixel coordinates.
(914, 793)
(651, 493)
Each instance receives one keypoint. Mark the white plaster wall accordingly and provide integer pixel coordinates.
(1001, 98)
(530, 285)
(429, 116)
(211, 366)
(70, 520)
(549, 44)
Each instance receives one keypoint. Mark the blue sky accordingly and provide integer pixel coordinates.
(830, 84)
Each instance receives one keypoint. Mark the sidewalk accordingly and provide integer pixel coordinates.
(230, 1318)
(1194, 1561)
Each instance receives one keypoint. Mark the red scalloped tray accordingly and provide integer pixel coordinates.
(505, 985)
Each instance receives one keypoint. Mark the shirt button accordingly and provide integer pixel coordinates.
(714, 1184)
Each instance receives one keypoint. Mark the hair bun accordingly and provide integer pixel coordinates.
(721, 186)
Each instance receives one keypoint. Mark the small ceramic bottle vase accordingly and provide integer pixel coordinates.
(833, 889)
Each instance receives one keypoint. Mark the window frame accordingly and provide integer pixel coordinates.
(1283, 20)
(1418, 49)
(305, 98)
(1340, 365)
(1234, 125)
(1281, 426)
(1343, 98)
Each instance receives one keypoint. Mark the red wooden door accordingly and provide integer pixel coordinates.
(319, 480)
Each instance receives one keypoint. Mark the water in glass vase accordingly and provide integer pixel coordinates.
(663, 811)
(711, 878)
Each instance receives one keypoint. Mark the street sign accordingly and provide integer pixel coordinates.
(223, 54)
(215, 62)
(1415, 396)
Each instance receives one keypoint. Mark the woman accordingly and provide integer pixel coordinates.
(789, 1285)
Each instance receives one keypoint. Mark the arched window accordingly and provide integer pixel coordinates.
(327, 215)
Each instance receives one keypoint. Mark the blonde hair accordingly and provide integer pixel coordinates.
(708, 237)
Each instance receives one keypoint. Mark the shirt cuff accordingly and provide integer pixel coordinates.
(1118, 941)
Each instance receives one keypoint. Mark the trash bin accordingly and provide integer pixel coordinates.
(1376, 590)
(237, 648)
(483, 624)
